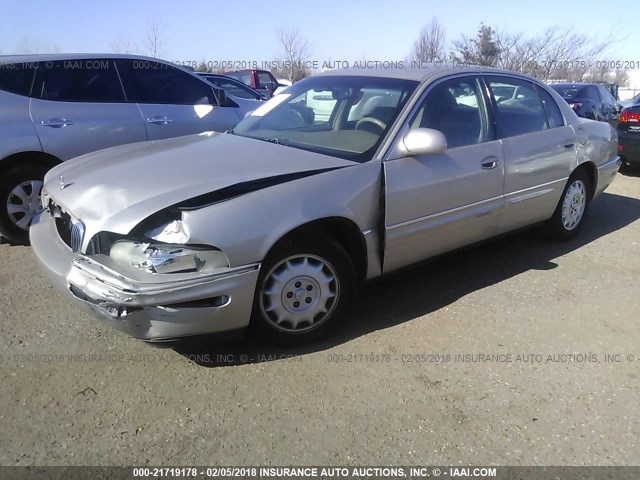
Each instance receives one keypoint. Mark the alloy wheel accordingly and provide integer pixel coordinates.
(24, 203)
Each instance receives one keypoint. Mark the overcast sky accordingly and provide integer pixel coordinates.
(336, 29)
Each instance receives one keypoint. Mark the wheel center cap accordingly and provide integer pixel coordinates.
(300, 294)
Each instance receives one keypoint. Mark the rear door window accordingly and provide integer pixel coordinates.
(82, 80)
(523, 113)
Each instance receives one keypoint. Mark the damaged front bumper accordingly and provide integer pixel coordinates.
(157, 310)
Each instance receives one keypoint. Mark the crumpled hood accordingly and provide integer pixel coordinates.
(116, 188)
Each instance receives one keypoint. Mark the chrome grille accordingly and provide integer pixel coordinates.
(71, 231)
(77, 235)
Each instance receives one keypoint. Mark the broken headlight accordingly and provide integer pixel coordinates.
(167, 258)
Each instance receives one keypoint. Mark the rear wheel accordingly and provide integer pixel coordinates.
(20, 200)
(302, 291)
(569, 215)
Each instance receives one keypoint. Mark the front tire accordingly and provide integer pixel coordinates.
(20, 191)
(302, 292)
(572, 208)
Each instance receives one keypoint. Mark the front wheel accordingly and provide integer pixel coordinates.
(302, 292)
(569, 215)
(20, 190)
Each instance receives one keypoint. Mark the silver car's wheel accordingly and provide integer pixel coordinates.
(299, 293)
(303, 290)
(572, 208)
(24, 203)
(574, 204)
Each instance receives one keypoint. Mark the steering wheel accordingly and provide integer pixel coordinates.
(378, 123)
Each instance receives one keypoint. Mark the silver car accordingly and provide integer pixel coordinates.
(56, 107)
(273, 225)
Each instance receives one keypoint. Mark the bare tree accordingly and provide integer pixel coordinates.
(430, 44)
(124, 45)
(154, 37)
(555, 54)
(295, 52)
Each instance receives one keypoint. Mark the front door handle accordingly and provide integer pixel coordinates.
(159, 120)
(56, 122)
(569, 145)
(489, 163)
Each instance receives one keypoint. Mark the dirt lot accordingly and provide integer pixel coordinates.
(403, 383)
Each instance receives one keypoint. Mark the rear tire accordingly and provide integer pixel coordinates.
(302, 292)
(20, 191)
(568, 218)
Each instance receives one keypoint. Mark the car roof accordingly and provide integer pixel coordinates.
(419, 74)
(44, 57)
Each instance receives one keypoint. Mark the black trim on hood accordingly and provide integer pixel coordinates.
(243, 188)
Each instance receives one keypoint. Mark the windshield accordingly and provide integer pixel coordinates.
(346, 117)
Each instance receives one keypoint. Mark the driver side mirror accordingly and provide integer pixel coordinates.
(424, 141)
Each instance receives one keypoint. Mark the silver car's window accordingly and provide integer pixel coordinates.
(554, 115)
(455, 107)
(83, 80)
(521, 113)
(148, 81)
(17, 77)
(343, 116)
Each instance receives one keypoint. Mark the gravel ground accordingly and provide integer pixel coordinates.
(393, 387)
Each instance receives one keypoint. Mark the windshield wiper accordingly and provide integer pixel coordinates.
(276, 140)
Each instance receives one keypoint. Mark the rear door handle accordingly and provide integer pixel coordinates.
(159, 120)
(489, 163)
(56, 122)
(569, 145)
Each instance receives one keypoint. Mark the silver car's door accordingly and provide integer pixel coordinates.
(436, 203)
(78, 106)
(174, 102)
(539, 151)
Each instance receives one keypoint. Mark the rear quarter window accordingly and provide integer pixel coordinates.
(554, 115)
(17, 77)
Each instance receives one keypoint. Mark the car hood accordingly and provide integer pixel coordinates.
(116, 188)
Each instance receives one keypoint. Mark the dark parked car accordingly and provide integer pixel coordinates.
(588, 100)
(628, 130)
(232, 86)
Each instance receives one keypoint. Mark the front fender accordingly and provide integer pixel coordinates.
(246, 227)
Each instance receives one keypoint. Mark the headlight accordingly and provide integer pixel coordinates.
(172, 232)
(166, 258)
